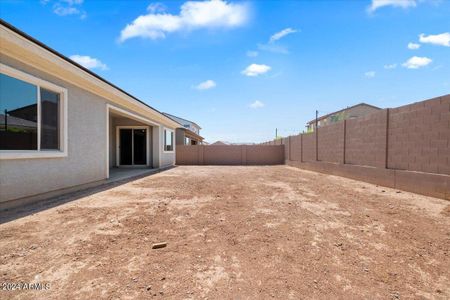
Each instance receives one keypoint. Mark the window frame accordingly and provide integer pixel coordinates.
(164, 140)
(63, 100)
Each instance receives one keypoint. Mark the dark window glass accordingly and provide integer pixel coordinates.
(140, 146)
(18, 114)
(126, 146)
(49, 120)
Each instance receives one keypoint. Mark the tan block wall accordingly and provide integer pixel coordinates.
(295, 149)
(331, 143)
(365, 142)
(309, 147)
(419, 137)
(406, 147)
(230, 155)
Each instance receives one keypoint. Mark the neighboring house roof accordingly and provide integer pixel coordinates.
(173, 118)
(17, 122)
(191, 134)
(344, 109)
(220, 143)
(42, 45)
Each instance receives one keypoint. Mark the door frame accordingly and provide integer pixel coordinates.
(132, 146)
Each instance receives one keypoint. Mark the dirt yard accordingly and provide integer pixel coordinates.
(233, 232)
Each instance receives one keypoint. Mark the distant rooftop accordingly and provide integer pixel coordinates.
(344, 109)
(172, 117)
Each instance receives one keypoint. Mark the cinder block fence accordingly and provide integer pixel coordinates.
(230, 155)
(406, 148)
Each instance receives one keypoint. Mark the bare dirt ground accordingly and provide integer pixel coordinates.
(234, 232)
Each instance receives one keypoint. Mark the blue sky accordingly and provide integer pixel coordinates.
(242, 69)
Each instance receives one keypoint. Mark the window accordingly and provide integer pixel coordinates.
(168, 140)
(18, 114)
(187, 141)
(31, 115)
(49, 119)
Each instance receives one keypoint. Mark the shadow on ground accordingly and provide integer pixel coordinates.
(8, 215)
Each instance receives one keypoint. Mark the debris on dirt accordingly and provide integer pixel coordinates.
(159, 245)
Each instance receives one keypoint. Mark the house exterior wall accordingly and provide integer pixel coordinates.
(167, 158)
(86, 147)
(86, 161)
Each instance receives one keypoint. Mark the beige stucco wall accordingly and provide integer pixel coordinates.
(87, 139)
(86, 147)
(167, 158)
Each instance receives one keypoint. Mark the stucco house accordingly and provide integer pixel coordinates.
(63, 126)
(189, 134)
(351, 112)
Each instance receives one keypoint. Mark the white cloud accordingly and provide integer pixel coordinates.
(391, 66)
(193, 15)
(281, 34)
(156, 7)
(65, 11)
(256, 104)
(413, 46)
(89, 62)
(376, 4)
(67, 7)
(255, 70)
(370, 74)
(442, 39)
(417, 62)
(273, 48)
(252, 53)
(206, 85)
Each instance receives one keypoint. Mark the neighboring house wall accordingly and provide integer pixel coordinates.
(179, 136)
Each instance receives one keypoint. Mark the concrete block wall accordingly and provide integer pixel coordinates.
(406, 148)
(309, 147)
(295, 149)
(365, 140)
(331, 143)
(230, 155)
(419, 137)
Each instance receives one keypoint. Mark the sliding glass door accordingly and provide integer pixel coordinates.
(133, 146)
